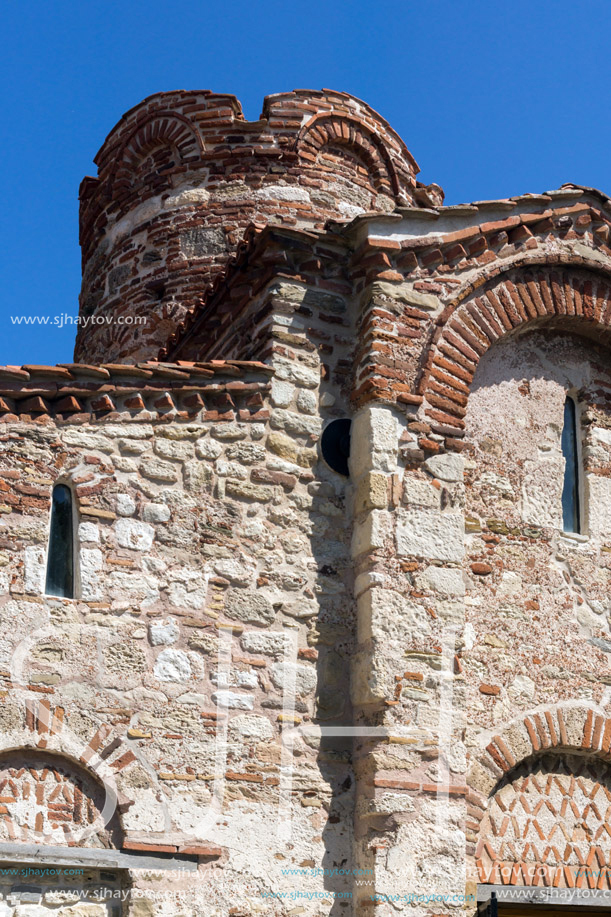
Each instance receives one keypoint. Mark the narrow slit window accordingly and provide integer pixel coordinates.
(570, 491)
(60, 557)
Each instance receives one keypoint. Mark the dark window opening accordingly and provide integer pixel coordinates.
(335, 445)
(60, 558)
(157, 290)
(570, 491)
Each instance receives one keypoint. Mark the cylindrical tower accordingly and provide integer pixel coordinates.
(183, 174)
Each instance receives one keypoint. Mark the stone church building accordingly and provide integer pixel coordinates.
(305, 561)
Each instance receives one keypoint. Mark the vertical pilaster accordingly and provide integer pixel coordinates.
(406, 677)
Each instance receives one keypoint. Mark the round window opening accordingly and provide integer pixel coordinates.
(335, 445)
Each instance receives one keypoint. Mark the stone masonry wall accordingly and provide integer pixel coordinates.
(538, 614)
(482, 629)
(410, 766)
(213, 615)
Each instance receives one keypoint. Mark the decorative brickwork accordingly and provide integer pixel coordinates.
(42, 801)
(77, 393)
(548, 824)
(546, 820)
(578, 301)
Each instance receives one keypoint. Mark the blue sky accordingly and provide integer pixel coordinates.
(493, 99)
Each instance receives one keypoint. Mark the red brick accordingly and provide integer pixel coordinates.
(203, 850)
(149, 847)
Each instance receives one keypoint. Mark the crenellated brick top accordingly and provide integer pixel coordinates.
(172, 133)
(183, 174)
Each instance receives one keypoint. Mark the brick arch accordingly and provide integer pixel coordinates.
(164, 129)
(335, 130)
(103, 758)
(51, 798)
(573, 297)
(520, 829)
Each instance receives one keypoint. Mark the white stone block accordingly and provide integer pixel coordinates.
(233, 700)
(447, 580)
(599, 506)
(35, 569)
(282, 393)
(174, 450)
(134, 587)
(125, 505)
(374, 441)
(133, 534)
(307, 402)
(187, 596)
(390, 619)
(371, 533)
(269, 644)
(89, 532)
(172, 665)
(251, 726)
(601, 435)
(447, 467)
(294, 424)
(522, 686)
(208, 449)
(156, 512)
(285, 674)
(511, 584)
(435, 536)
(542, 491)
(301, 375)
(234, 679)
(83, 438)
(420, 493)
(164, 633)
(91, 561)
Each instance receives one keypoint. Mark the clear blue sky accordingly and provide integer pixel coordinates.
(493, 99)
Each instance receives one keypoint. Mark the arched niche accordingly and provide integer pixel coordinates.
(365, 157)
(49, 799)
(157, 146)
(548, 823)
(568, 297)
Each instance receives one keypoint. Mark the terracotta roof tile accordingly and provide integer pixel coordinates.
(155, 387)
(56, 372)
(124, 369)
(84, 369)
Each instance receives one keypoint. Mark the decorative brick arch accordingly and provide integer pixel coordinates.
(573, 296)
(101, 760)
(540, 801)
(162, 129)
(334, 130)
(52, 799)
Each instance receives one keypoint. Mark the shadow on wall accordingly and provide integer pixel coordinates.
(333, 633)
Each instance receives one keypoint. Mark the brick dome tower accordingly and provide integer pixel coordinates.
(181, 177)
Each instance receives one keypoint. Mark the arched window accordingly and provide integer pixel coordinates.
(60, 556)
(570, 492)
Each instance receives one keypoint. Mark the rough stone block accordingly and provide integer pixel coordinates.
(202, 241)
(134, 534)
(250, 607)
(448, 467)
(434, 536)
